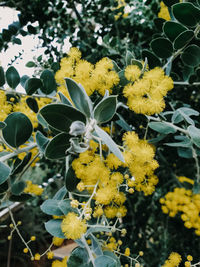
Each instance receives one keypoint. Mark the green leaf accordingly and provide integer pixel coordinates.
(18, 187)
(61, 116)
(18, 129)
(184, 152)
(4, 171)
(60, 194)
(79, 97)
(162, 127)
(159, 23)
(105, 109)
(194, 134)
(54, 228)
(109, 142)
(4, 187)
(112, 255)
(191, 55)
(183, 38)
(30, 64)
(31, 29)
(65, 206)
(137, 63)
(185, 142)
(153, 60)
(56, 148)
(184, 113)
(2, 76)
(105, 261)
(2, 125)
(32, 104)
(64, 99)
(196, 188)
(70, 180)
(17, 41)
(51, 207)
(12, 77)
(162, 47)
(79, 258)
(20, 164)
(32, 85)
(49, 83)
(129, 57)
(41, 140)
(172, 29)
(23, 80)
(157, 139)
(96, 247)
(186, 13)
(122, 123)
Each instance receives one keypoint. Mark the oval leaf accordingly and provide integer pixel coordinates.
(79, 97)
(4, 171)
(18, 188)
(194, 134)
(191, 55)
(12, 77)
(2, 77)
(105, 109)
(61, 116)
(50, 207)
(32, 85)
(18, 129)
(162, 47)
(172, 29)
(106, 261)
(49, 83)
(70, 180)
(32, 104)
(186, 13)
(183, 38)
(41, 141)
(54, 228)
(162, 127)
(56, 148)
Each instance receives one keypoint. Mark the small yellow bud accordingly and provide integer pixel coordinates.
(37, 257)
(126, 176)
(137, 264)
(127, 252)
(32, 258)
(123, 231)
(19, 223)
(189, 258)
(25, 250)
(74, 203)
(141, 253)
(50, 255)
(11, 225)
(119, 242)
(9, 237)
(187, 264)
(80, 186)
(89, 241)
(33, 238)
(131, 190)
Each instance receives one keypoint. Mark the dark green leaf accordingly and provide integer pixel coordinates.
(32, 104)
(4, 187)
(191, 55)
(196, 188)
(54, 228)
(183, 38)
(70, 180)
(105, 109)
(31, 29)
(157, 139)
(159, 23)
(153, 60)
(2, 77)
(4, 171)
(162, 47)
(6, 35)
(172, 29)
(42, 141)
(21, 198)
(109, 142)
(169, 3)
(17, 41)
(12, 77)
(186, 13)
(20, 164)
(56, 148)
(49, 83)
(30, 64)
(32, 85)
(18, 129)
(162, 127)
(194, 134)
(18, 187)
(61, 116)
(184, 152)
(79, 97)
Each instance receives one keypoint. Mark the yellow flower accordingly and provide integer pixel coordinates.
(72, 226)
(50, 255)
(164, 12)
(127, 252)
(33, 188)
(58, 263)
(173, 260)
(57, 241)
(132, 73)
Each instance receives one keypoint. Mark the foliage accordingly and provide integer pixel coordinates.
(117, 148)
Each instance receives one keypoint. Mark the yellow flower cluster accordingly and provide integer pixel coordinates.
(121, 3)
(33, 188)
(5, 108)
(57, 241)
(146, 94)
(164, 12)
(173, 260)
(90, 168)
(185, 202)
(73, 227)
(58, 263)
(139, 157)
(99, 77)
